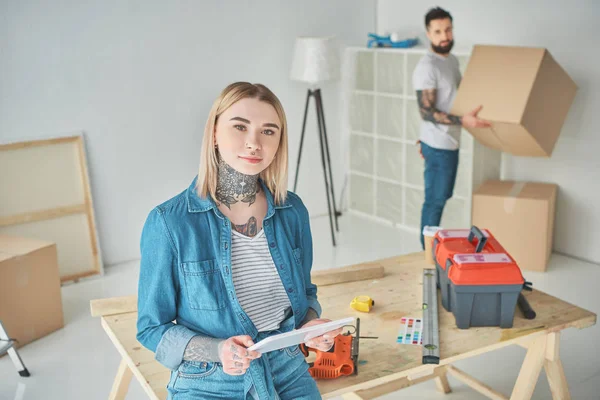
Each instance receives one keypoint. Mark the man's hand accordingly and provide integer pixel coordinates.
(470, 120)
(235, 356)
(325, 341)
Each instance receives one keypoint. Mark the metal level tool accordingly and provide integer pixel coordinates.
(431, 332)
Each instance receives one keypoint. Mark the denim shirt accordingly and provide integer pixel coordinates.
(185, 283)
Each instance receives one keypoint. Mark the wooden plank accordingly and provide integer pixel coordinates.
(87, 194)
(396, 385)
(524, 345)
(351, 396)
(530, 370)
(78, 276)
(475, 384)
(34, 143)
(113, 305)
(42, 215)
(347, 274)
(121, 383)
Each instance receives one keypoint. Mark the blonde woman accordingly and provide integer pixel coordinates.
(229, 260)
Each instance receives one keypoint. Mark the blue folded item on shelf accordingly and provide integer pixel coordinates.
(386, 41)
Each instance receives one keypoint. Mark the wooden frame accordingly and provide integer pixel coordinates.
(388, 366)
(69, 221)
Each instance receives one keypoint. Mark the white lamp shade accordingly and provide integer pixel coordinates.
(316, 59)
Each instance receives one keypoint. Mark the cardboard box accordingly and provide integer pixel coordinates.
(524, 93)
(30, 296)
(521, 217)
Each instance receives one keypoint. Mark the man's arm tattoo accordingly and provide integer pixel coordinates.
(426, 99)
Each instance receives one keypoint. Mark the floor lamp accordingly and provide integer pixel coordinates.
(316, 60)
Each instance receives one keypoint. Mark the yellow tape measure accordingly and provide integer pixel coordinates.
(362, 303)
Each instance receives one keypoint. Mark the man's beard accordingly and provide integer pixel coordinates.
(443, 49)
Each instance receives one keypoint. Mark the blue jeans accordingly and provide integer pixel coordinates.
(440, 175)
(285, 371)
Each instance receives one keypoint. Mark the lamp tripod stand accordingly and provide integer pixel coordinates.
(325, 158)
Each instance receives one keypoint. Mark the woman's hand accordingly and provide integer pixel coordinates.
(235, 356)
(325, 341)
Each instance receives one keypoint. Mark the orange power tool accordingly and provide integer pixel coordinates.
(341, 360)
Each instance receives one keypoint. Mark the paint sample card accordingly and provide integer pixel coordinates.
(411, 330)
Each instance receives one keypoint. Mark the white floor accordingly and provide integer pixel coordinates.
(79, 361)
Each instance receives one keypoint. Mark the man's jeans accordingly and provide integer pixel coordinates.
(440, 175)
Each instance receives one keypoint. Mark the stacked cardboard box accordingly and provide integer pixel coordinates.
(30, 295)
(521, 217)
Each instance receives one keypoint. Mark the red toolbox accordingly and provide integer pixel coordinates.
(479, 281)
(448, 242)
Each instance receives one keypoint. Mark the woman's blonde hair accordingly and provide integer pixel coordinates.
(275, 176)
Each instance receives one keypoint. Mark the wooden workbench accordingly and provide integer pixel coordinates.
(386, 366)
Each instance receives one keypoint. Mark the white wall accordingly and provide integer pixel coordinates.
(568, 29)
(139, 77)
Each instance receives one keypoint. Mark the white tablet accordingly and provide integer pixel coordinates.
(298, 336)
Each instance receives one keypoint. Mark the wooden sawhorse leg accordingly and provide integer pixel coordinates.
(441, 382)
(542, 352)
(121, 383)
(554, 369)
(475, 384)
(439, 374)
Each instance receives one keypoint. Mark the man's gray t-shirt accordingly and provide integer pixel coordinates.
(434, 71)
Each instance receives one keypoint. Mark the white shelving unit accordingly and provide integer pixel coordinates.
(383, 122)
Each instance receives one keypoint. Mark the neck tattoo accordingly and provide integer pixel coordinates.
(233, 186)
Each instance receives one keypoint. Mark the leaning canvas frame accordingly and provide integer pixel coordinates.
(45, 193)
